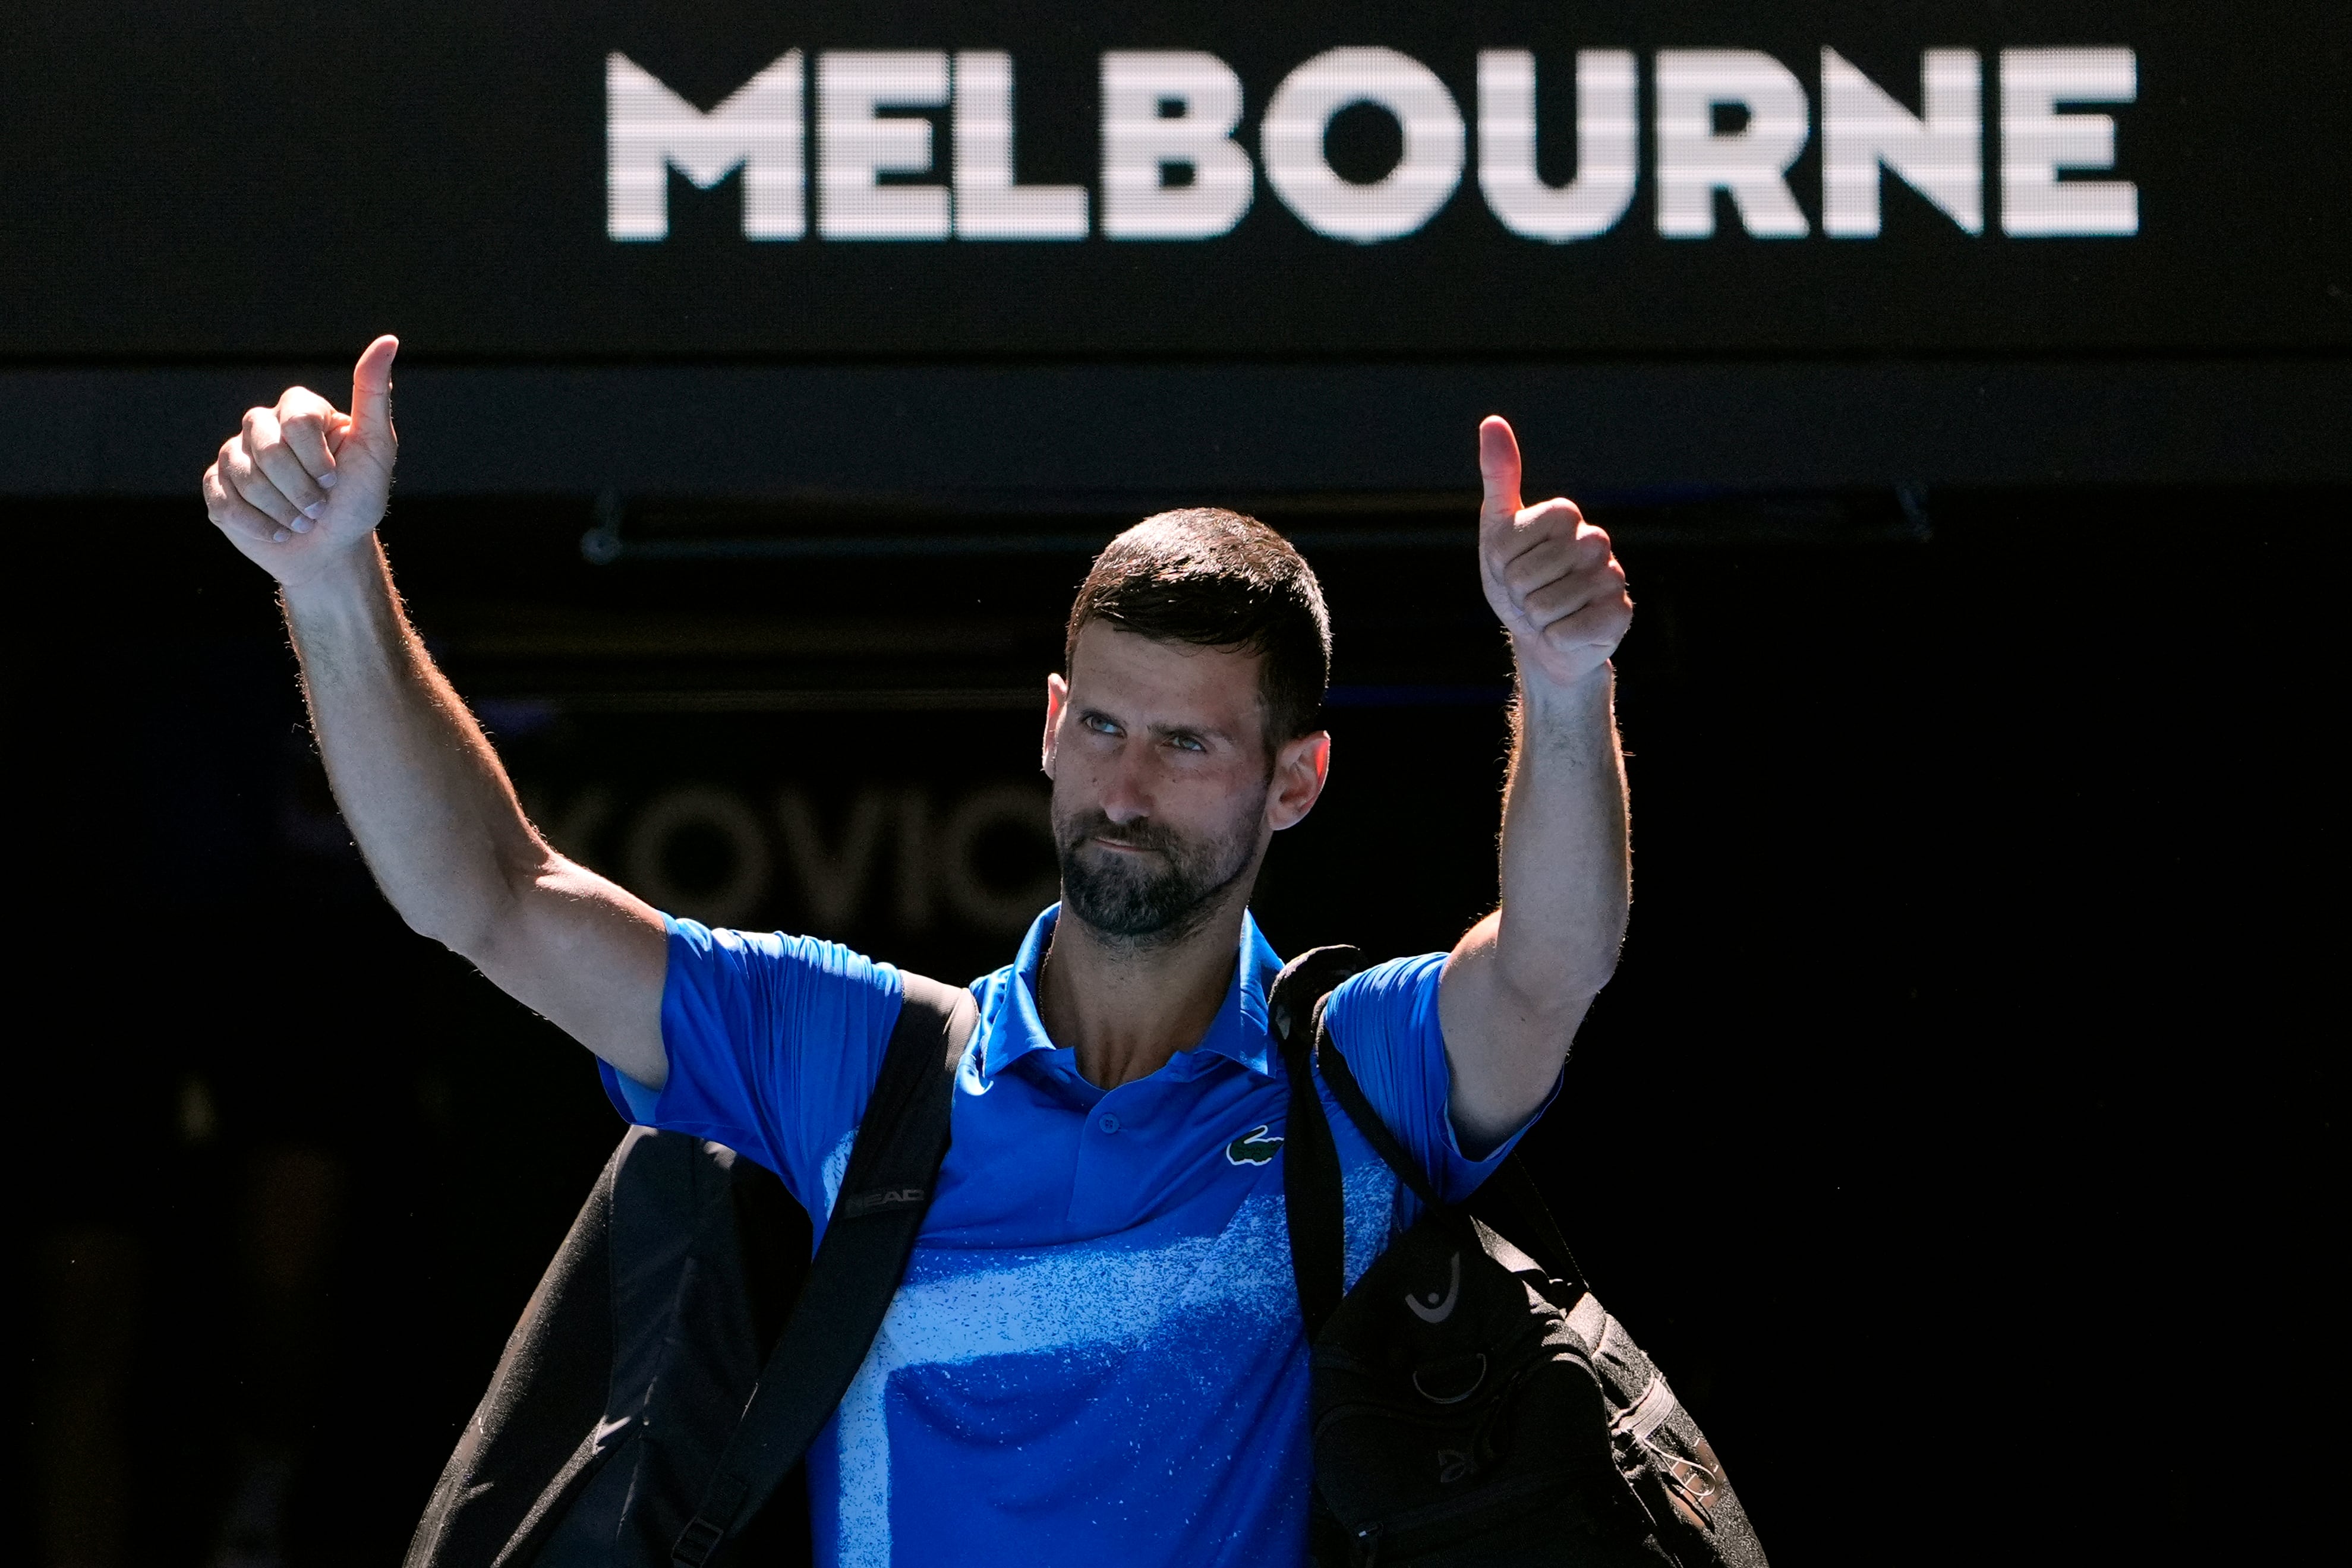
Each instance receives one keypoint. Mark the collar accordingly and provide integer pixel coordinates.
(1238, 1034)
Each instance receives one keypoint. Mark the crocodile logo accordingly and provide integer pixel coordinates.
(1252, 1147)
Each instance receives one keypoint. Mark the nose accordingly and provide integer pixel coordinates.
(1126, 792)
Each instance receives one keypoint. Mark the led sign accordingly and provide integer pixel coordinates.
(610, 180)
(1173, 166)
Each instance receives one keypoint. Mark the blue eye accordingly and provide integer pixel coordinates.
(1099, 725)
(1186, 742)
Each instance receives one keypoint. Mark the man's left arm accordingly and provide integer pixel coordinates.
(1518, 983)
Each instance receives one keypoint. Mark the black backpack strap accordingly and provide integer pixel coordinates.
(893, 1167)
(1345, 1090)
(1312, 1204)
(1311, 1192)
(1311, 1201)
(1518, 1204)
(1510, 1189)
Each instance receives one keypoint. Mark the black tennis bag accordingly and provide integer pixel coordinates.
(1475, 1407)
(683, 1350)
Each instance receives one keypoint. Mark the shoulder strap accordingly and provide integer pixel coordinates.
(1514, 1204)
(1311, 1191)
(893, 1167)
(1312, 1204)
(1294, 1008)
(1345, 1090)
(1511, 1192)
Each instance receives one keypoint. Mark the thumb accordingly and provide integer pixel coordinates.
(372, 393)
(1499, 469)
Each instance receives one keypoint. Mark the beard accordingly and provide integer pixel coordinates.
(1149, 900)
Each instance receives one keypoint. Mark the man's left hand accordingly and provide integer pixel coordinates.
(1548, 574)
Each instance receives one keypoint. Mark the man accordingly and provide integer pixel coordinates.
(1097, 1353)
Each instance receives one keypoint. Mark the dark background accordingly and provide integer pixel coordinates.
(1954, 1131)
(1953, 1074)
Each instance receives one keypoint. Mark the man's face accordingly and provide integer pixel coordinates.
(1164, 791)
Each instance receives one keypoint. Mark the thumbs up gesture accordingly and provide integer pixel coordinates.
(302, 483)
(1548, 574)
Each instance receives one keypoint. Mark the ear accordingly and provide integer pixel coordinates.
(1057, 703)
(1301, 768)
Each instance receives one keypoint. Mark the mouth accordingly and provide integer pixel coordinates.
(1122, 846)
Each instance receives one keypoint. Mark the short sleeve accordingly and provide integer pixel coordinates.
(1385, 1023)
(774, 1041)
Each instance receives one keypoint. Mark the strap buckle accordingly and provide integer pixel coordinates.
(696, 1542)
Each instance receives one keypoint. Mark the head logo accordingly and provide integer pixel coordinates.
(1252, 1147)
(1437, 1308)
(859, 1205)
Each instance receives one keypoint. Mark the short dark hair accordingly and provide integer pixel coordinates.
(1219, 580)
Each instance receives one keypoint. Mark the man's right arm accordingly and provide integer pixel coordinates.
(299, 491)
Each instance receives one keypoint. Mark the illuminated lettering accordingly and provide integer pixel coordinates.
(1726, 123)
(650, 131)
(1750, 162)
(2037, 143)
(1938, 153)
(857, 144)
(1290, 140)
(1606, 144)
(1164, 111)
(988, 205)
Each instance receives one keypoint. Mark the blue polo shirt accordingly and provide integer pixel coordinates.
(1097, 1354)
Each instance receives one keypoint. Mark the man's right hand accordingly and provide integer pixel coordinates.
(303, 484)
(300, 490)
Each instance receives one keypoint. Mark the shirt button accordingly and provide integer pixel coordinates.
(1107, 1124)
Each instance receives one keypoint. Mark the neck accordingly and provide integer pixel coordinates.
(1126, 1008)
